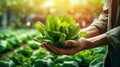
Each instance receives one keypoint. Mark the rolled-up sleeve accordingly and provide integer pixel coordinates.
(101, 22)
(113, 37)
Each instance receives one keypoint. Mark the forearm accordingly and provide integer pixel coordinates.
(91, 31)
(96, 41)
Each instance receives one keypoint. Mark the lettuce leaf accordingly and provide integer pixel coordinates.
(58, 29)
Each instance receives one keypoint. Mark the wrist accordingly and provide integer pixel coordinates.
(84, 42)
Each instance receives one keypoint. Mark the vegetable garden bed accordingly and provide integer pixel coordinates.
(14, 53)
(29, 56)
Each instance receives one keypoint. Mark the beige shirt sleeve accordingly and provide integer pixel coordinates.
(101, 22)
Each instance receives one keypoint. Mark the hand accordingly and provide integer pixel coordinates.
(74, 47)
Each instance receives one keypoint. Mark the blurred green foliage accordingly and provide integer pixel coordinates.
(30, 6)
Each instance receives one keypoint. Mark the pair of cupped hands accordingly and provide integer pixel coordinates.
(74, 47)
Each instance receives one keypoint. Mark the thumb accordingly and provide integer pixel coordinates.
(70, 43)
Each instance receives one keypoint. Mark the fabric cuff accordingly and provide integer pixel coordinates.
(101, 25)
(113, 36)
